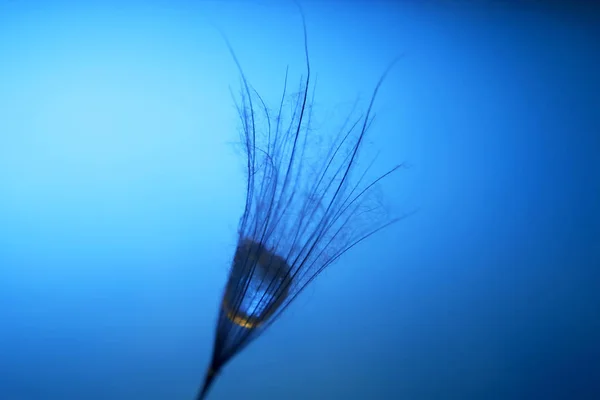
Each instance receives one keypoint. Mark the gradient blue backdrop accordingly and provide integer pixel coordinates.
(121, 187)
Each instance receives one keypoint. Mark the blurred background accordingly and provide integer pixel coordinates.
(121, 188)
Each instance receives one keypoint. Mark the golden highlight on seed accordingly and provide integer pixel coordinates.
(258, 283)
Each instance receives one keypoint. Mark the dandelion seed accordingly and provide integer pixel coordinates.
(301, 214)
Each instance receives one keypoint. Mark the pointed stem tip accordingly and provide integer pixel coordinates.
(208, 380)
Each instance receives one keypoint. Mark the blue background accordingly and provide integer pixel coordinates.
(121, 187)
